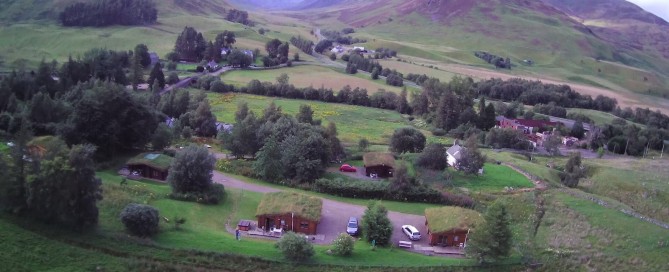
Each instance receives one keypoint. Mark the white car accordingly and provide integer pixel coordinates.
(411, 232)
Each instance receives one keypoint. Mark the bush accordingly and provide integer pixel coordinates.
(407, 139)
(140, 220)
(295, 247)
(439, 132)
(343, 245)
(212, 196)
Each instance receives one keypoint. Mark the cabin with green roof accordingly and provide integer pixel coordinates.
(150, 165)
(379, 164)
(289, 211)
(450, 226)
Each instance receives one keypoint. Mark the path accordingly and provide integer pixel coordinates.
(335, 214)
(538, 184)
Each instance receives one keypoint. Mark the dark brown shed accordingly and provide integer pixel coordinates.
(379, 164)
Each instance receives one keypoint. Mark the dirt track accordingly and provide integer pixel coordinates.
(335, 214)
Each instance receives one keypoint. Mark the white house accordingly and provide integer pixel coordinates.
(453, 155)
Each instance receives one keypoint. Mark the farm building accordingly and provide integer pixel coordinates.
(379, 164)
(453, 155)
(289, 212)
(150, 165)
(450, 226)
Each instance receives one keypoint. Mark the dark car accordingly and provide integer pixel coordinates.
(352, 226)
(347, 168)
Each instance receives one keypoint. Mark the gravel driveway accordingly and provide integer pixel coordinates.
(335, 214)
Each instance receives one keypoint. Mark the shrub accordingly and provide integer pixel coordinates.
(377, 190)
(407, 139)
(343, 245)
(211, 196)
(140, 220)
(295, 247)
(438, 132)
(375, 224)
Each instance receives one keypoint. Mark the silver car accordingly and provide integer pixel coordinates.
(411, 232)
(352, 226)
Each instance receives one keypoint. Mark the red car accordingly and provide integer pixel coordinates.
(347, 168)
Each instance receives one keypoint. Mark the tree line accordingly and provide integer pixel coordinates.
(499, 62)
(338, 37)
(110, 12)
(239, 16)
(305, 45)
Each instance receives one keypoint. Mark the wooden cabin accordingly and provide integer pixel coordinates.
(379, 164)
(150, 165)
(450, 226)
(289, 212)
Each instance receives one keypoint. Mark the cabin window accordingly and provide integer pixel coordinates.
(283, 222)
(456, 238)
(304, 225)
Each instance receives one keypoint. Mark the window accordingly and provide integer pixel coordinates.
(456, 238)
(304, 225)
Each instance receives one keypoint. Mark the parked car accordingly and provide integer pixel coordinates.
(352, 226)
(347, 168)
(411, 232)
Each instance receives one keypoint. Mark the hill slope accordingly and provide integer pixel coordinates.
(621, 22)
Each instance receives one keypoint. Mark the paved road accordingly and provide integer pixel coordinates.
(335, 214)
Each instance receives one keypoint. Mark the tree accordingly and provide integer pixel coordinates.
(336, 148)
(375, 224)
(333, 57)
(162, 137)
(192, 170)
(137, 67)
(157, 76)
(343, 245)
(471, 159)
(573, 171)
(109, 116)
(238, 58)
(577, 130)
(552, 144)
(203, 121)
(242, 140)
(407, 140)
(142, 51)
(140, 220)
(268, 161)
(493, 238)
(363, 144)
(433, 157)
(305, 154)
(295, 247)
(272, 48)
(172, 78)
(401, 181)
(64, 189)
(190, 44)
(306, 115)
(402, 105)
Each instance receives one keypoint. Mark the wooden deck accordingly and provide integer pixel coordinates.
(440, 250)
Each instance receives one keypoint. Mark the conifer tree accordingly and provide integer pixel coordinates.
(493, 239)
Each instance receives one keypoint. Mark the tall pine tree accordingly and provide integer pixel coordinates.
(493, 239)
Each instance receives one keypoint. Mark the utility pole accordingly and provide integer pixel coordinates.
(662, 153)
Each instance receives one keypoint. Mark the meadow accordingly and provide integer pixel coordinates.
(353, 122)
(309, 76)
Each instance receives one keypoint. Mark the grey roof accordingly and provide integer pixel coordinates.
(455, 151)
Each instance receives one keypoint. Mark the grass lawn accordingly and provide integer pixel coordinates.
(4, 148)
(308, 75)
(494, 179)
(205, 226)
(611, 240)
(24, 250)
(353, 122)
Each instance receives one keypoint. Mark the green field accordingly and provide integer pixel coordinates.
(495, 178)
(353, 122)
(309, 76)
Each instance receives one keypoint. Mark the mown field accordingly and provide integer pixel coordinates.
(309, 75)
(353, 122)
